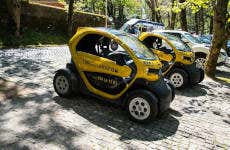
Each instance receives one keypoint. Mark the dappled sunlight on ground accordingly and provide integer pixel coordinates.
(32, 116)
(224, 79)
(224, 74)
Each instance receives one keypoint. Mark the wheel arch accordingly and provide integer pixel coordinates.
(137, 85)
(180, 67)
(200, 54)
(177, 67)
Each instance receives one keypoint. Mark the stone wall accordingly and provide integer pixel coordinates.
(41, 16)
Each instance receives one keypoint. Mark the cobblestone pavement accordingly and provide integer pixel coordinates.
(32, 116)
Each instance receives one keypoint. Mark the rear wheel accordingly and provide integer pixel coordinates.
(179, 78)
(142, 106)
(200, 61)
(62, 83)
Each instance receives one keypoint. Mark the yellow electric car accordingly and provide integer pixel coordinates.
(177, 58)
(112, 65)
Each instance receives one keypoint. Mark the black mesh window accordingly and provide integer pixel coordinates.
(87, 44)
(104, 47)
(158, 44)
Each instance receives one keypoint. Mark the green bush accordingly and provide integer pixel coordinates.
(32, 37)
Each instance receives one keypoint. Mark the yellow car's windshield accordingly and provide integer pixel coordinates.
(179, 44)
(139, 49)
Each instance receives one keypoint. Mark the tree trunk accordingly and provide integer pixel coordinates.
(219, 29)
(196, 23)
(153, 9)
(183, 19)
(173, 20)
(211, 25)
(201, 20)
(14, 9)
(70, 16)
(121, 16)
(169, 20)
(110, 9)
(173, 16)
(153, 16)
(152, 5)
(226, 37)
(158, 15)
(93, 6)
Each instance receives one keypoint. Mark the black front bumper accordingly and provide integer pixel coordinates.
(163, 91)
(195, 74)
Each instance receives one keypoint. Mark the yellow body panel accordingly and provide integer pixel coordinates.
(167, 57)
(143, 66)
(163, 56)
(180, 57)
(91, 63)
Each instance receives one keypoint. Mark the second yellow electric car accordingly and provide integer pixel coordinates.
(177, 58)
(115, 66)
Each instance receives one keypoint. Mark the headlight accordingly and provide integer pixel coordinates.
(187, 58)
(153, 71)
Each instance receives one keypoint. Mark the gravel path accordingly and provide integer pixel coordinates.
(32, 116)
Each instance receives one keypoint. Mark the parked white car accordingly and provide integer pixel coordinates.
(201, 50)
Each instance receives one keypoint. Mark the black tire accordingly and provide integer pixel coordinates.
(67, 77)
(200, 55)
(149, 98)
(71, 66)
(180, 83)
(202, 75)
(170, 84)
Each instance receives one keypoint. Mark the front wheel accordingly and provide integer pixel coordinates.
(62, 83)
(142, 106)
(179, 78)
(200, 61)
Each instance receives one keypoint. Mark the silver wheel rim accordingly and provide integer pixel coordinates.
(177, 79)
(62, 84)
(200, 62)
(139, 108)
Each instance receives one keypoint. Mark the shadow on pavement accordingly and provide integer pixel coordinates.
(25, 121)
(8, 89)
(23, 68)
(113, 119)
(223, 77)
(194, 91)
(226, 121)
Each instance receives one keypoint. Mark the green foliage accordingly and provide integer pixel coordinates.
(229, 12)
(132, 7)
(62, 1)
(194, 5)
(32, 37)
